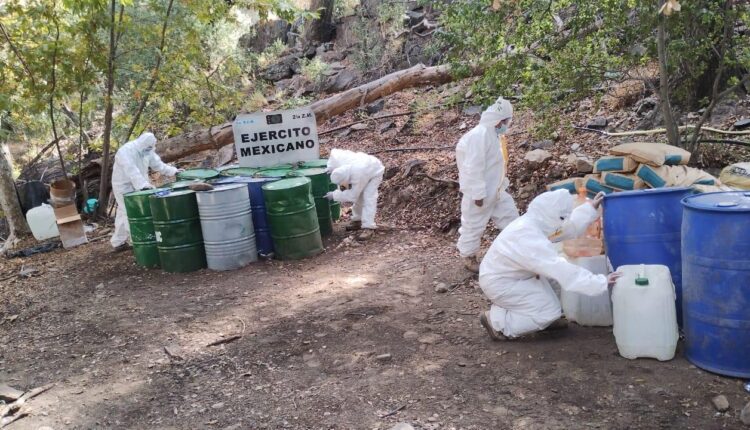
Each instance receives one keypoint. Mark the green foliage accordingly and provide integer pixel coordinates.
(378, 39)
(314, 70)
(201, 80)
(342, 8)
(549, 54)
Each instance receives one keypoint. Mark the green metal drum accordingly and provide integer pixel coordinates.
(323, 162)
(178, 231)
(273, 173)
(293, 221)
(202, 174)
(239, 171)
(320, 184)
(335, 206)
(278, 167)
(181, 185)
(142, 227)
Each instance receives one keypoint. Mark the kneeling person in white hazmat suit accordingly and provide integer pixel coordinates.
(481, 176)
(362, 174)
(514, 274)
(130, 173)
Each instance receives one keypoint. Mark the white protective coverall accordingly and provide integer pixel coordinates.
(515, 271)
(130, 173)
(481, 176)
(363, 173)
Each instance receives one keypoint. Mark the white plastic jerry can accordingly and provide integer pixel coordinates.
(588, 310)
(645, 317)
(42, 222)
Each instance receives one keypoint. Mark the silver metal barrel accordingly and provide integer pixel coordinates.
(227, 225)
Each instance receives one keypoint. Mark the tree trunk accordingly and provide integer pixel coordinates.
(9, 202)
(104, 185)
(673, 134)
(320, 30)
(216, 137)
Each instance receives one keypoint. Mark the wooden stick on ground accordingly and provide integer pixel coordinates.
(347, 125)
(17, 407)
(225, 340)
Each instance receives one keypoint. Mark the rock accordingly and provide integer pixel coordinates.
(721, 403)
(410, 335)
(375, 107)
(463, 126)
(429, 339)
(217, 405)
(472, 110)
(28, 272)
(264, 35)
(344, 80)
(745, 415)
(386, 126)
(402, 426)
(742, 124)
(597, 123)
(544, 144)
(441, 287)
(9, 394)
(556, 172)
(527, 191)
(723, 111)
(283, 69)
(383, 357)
(537, 157)
(646, 105)
(415, 17)
(584, 165)
(359, 126)
(575, 147)
(570, 159)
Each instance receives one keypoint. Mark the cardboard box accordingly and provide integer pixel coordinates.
(70, 226)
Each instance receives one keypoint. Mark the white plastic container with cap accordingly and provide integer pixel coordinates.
(42, 222)
(586, 310)
(645, 318)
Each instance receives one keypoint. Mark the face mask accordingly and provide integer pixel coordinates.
(560, 232)
(502, 129)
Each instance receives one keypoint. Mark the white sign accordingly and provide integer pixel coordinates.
(265, 139)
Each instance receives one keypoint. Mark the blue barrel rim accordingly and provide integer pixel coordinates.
(692, 202)
(647, 191)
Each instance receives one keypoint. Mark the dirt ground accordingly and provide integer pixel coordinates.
(354, 338)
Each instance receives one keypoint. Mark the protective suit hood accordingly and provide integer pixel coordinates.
(339, 157)
(550, 210)
(342, 175)
(500, 110)
(145, 142)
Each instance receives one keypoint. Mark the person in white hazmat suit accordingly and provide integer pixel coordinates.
(362, 174)
(482, 181)
(514, 274)
(130, 173)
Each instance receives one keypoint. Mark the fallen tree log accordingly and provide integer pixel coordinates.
(216, 137)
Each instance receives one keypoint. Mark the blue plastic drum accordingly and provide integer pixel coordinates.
(263, 240)
(644, 227)
(716, 282)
